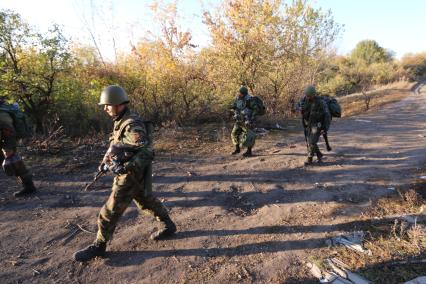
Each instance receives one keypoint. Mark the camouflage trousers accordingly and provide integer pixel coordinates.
(313, 135)
(243, 135)
(128, 187)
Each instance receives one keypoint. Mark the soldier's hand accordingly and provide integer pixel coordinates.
(119, 169)
(102, 167)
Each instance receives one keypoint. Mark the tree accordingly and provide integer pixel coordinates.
(415, 65)
(369, 52)
(31, 65)
(243, 33)
(272, 48)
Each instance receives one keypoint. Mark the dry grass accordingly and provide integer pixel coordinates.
(395, 244)
(203, 139)
(404, 202)
(389, 244)
(355, 104)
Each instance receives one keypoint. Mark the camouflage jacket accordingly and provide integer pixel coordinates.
(315, 113)
(7, 132)
(244, 108)
(130, 130)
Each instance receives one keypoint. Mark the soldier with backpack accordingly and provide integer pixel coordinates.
(132, 169)
(12, 127)
(316, 120)
(245, 108)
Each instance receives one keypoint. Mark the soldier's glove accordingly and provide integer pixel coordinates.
(118, 169)
(103, 167)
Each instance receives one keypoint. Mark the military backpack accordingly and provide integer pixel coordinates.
(333, 106)
(260, 105)
(21, 122)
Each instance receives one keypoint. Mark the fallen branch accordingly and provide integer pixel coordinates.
(84, 230)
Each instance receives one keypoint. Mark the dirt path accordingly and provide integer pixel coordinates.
(239, 220)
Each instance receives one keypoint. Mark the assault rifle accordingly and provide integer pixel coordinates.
(104, 169)
(244, 116)
(324, 135)
(117, 154)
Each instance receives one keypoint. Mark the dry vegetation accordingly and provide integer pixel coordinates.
(355, 104)
(397, 246)
(283, 48)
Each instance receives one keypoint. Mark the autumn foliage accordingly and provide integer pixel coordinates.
(274, 48)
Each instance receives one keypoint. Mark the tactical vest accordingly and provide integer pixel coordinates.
(128, 119)
(242, 103)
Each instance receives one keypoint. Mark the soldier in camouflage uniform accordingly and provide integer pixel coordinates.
(11, 162)
(242, 133)
(133, 179)
(316, 120)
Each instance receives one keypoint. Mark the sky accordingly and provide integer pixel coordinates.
(395, 24)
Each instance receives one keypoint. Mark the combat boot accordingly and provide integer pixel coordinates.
(248, 153)
(308, 161)
(169, 229)
(92, 251)
(28, 189)
(319, 156)
(237, 150)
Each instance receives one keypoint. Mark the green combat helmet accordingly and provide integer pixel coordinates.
(244, 91)
(310, 91)
(113, 95)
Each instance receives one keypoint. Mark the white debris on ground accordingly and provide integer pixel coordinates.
(339, 274)
(352, 241)
(261, 131)
(278, 126)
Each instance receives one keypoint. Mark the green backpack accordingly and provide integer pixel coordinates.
(260, 105)
(21, 122)
(333, 106)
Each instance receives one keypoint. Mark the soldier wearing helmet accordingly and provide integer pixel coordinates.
(316, 120)
(133, 178)
(245, 110)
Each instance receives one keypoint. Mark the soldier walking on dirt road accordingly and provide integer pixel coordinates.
(11, 162)
(133, 178)
(245, 110)
(316, 120)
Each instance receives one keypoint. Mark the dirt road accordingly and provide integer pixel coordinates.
(239, 220)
